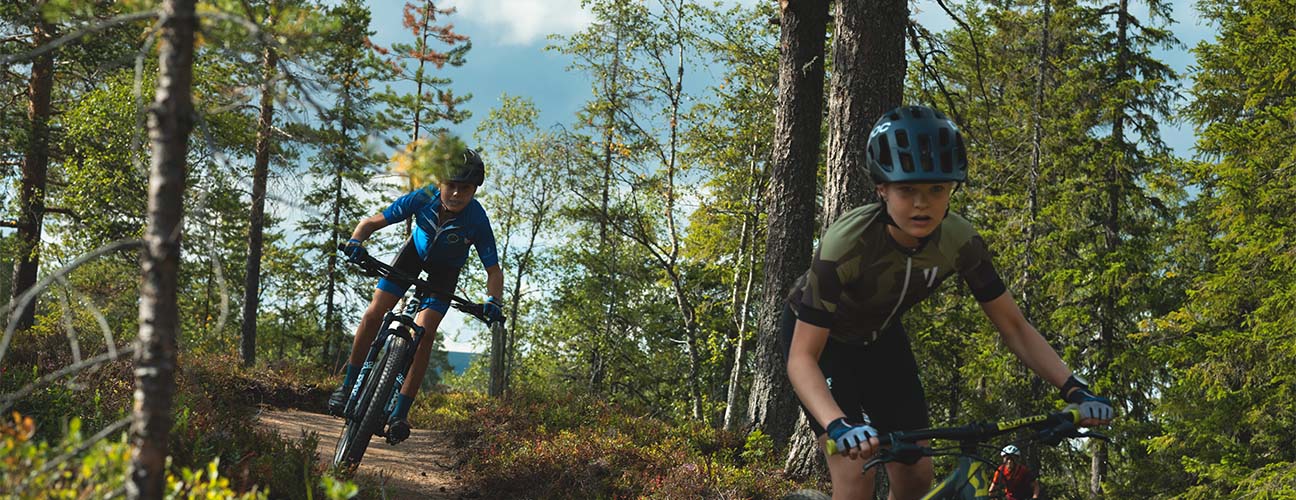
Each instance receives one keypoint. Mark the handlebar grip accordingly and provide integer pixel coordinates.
(831, 445)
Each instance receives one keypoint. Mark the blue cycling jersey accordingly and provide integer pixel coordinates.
(445, 243)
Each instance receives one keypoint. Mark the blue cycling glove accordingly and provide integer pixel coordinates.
(355, 251)
(494, 309)
(1091, 406)
(842, 436)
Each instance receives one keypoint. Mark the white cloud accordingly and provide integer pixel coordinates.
(523, 22)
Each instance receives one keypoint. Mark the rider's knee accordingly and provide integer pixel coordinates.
(914, 478)
(847, 480)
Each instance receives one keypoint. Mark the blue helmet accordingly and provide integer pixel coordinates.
(916, 144)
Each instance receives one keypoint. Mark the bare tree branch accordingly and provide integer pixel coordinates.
(67, 320)
(976, 50)
(89, 364)
(30, 294)
(65, 211)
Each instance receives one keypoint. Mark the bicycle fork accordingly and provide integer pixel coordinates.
(371, 357)
(385, 332)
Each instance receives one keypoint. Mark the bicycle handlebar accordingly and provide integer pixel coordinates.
(1050, 427)
(375, 267)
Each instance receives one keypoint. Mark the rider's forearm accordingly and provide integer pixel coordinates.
(367, 227)
(806, 376)
(495, 282)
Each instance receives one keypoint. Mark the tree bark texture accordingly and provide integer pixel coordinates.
(867, 80)
(35, 167)
(790, 204)
(799, 463)
(256, 224)
(170, 121)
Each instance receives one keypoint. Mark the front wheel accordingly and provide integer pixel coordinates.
(375, 393)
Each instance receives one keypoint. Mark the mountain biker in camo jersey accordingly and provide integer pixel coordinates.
(447, 221)
(848, 357)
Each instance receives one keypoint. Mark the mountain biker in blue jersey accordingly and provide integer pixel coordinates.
(848, 357)
(447, 221)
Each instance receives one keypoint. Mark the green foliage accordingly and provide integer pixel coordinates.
(558, 445)
(76, 468)
(1228, 347)
(66, 470)
(431, 161)
(214, 407)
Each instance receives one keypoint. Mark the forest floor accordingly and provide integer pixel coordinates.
(424, 466)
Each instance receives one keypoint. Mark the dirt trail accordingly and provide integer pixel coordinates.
(414, 469)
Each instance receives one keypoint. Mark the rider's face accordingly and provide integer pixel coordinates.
(456, 195)
(917, 207)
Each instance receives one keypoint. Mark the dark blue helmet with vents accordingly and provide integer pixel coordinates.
(916, 144)
(470, 170)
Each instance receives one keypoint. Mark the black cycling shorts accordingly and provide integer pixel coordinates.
(879, 382)
(443, 278)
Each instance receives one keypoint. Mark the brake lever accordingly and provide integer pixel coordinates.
(881, 457)
(1094, 435)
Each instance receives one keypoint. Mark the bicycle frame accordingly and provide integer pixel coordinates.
(970, 479)
(422, 290)
(407, 324)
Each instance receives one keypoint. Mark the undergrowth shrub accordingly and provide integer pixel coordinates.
(536, 444)
(39, 470)
(214, 412)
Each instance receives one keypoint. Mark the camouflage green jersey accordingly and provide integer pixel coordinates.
(862, 281)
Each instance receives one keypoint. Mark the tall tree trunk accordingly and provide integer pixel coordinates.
(333, 356)
(170, 120)
(682, 300)
(256, 227)
(790, 204)
(418, 97)
(799, 463)
(35, 168)
(1111, 224)
(1037, 154)
(606, 248)
(867, 80)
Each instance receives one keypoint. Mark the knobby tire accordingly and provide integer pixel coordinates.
(378, 388)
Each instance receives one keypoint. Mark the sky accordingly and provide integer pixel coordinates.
(509, 57)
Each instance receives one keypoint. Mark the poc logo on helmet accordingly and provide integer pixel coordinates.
(880, 128)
